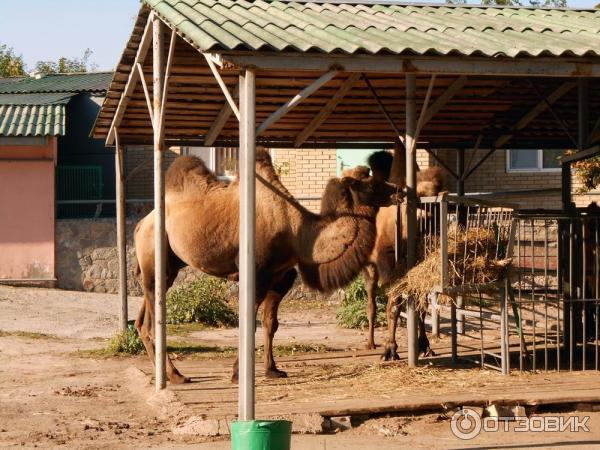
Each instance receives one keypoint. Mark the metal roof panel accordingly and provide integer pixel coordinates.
(353, 28)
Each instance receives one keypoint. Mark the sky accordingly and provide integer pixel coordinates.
(48, 29)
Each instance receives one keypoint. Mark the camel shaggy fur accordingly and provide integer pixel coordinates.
(202, 223)
(382, 262)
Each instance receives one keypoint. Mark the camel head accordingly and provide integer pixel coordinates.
(371, 192)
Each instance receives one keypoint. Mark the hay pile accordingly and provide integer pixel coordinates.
(472, 260)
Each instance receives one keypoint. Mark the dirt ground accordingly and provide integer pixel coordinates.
(57, 392)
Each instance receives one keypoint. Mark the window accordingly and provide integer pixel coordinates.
(223, 161)
(532, 160)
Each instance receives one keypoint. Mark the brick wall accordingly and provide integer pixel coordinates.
(305, 172)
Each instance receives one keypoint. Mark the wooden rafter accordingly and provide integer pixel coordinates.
(384, 111)
(327, 110)
(443, 99)
(535, 112)
(132, 80)
(140, 69)
(295, 101)
(222, 85)
(221, 120)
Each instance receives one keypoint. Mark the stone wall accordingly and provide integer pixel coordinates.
(86, 259)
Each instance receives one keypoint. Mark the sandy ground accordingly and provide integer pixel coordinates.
(54, 396)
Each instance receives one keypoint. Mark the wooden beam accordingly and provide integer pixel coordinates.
(165, 91)
(558, 119)
(222, 85)
(221, 120)
(443, 99)
(467, 174)
(384, 111)
(581, 155)
(132, 81)
(441, 65)
(442, 163)
(298, 98)
(146, 92)
(121, 234)
(327, 109)
(421, 122)
(536, 111)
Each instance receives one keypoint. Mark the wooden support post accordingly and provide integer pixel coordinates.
(247, 291)
(160, 310)
(121, 236)
(411, 210)
(462, 220)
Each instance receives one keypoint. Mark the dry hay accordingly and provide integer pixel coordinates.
(471, 260)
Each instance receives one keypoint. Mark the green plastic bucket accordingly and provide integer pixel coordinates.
(261, 435)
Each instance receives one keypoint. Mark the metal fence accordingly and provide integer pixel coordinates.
(543, 313)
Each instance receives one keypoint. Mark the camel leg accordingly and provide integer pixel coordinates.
(424, 345)
(390, 352)
(371, 277)
(270, 322)
(271, 300)
(236, 364)
(145, 321)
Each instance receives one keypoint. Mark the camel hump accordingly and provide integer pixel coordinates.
(334, 196)
(185, 168)
(358, 172)
(430, 181)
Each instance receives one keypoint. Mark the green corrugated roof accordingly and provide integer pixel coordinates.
(32, 106)
(95, 82)
(371, 28)
(32, 120)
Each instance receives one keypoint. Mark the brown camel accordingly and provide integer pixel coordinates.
(202, 222)
(382, 265)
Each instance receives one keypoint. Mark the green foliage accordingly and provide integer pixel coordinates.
(66, 65)
(353, 313)
(204, 301)
(126, 342)
(587, 173)
(11, 65)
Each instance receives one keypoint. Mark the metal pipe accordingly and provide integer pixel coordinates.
(411, 210)
(247, 289)
(121, 236)
(160, 265)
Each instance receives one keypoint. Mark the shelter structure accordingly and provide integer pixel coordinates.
(353, 74)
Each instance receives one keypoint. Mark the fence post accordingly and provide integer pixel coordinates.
(504, 354)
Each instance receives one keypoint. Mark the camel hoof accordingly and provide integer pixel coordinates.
(371, 346)
(428, 353)
(179, 379)
(390, 353)
(235, 378)
(275, 373)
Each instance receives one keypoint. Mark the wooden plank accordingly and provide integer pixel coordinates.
(536, 111)
(221, 120)
(443, 99)
(222, 85)
(295, 101)
(324, 114)
(132, 80)
(146, 93)
(543, 67)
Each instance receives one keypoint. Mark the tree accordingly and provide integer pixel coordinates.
(11, 65)
(66, 65)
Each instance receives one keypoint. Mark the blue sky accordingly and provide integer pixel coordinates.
(49, 29)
